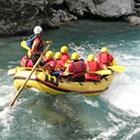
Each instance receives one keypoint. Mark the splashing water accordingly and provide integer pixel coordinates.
(113, 115)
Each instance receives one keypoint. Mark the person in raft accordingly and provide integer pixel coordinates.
(65, 56)
(59, 62)
(93, 66)
(59, 67)
(105, 58)
(50, 63)
(26, 60)
(78, 69)
(37, 45)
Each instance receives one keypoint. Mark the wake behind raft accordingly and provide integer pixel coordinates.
(46, 83)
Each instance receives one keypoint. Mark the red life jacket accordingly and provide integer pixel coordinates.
(78, 69)
(60, 65)
(40, 45)
(93, 66)
(104, 58)
(50, 62)
(26, 62)
(65, 57)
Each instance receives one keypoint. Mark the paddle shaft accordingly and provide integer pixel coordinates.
(21, 88)
(100, 72)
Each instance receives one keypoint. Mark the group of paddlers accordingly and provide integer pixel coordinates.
(61, 64)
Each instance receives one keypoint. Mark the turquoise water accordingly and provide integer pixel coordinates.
(111, 116)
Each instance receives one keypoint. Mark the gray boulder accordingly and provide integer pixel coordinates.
(104, 8)
(133, 20)
(18, 17)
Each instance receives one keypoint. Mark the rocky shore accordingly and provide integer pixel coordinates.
(18, 17)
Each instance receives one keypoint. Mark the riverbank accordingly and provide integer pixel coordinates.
(18, 17)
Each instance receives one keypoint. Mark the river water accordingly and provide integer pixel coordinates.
(114, 115)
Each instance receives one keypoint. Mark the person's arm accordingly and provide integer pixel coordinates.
(47, 42)
(114, 62)
(87, 68)
(104, 67)
(97, 58)
(66, 72)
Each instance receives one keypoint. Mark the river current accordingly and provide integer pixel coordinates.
(114, 115)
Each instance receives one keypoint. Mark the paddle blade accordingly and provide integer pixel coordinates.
(102, 72)
(11, 71)
(117, 68)
(23, 45)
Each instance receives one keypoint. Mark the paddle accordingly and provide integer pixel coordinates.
(21, 88)
(23, 44)
(101, 72)
(117, 68)
(12, 71)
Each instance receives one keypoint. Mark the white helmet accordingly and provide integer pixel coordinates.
(37, 30)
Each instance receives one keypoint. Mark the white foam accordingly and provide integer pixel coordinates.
(5, 119)
(130, 135)
(6, 95)
(93, 104)
(113, 131)
(124, 90)
(124, 94)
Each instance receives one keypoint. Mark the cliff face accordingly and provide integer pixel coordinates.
(20, 16)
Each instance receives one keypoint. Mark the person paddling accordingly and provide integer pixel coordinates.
(105, 58)
(93, 66)
(49, 62)
(26, 60)
(59, 62)
(65, 56)
(37, 45)
(59, 67)
(78, 69)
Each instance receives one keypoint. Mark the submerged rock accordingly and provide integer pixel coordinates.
(60, 112)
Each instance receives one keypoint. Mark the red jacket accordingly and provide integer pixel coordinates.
(94, 66)
(26, 62)
(50, 62)
(60, 65)
(78, 68)
(40, 45)
(65, 57)
(105, 58)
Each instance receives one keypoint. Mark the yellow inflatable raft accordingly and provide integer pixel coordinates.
(50, 84)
